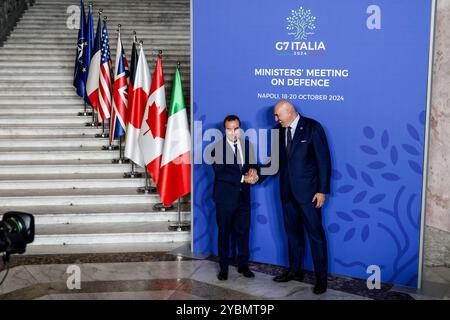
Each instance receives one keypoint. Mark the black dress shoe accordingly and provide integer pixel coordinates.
(246, 272)
(223, 274)
(290, 275)
(321, 286)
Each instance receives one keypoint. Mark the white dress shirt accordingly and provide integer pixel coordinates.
(293, 127)
(240, 157)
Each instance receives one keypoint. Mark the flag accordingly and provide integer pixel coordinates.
(120, 94)
(133, 65)
(141, 89)
(153, 128)
(104, 94)
(88, 48)
(79, 81)
(94, 69)
(175, 174)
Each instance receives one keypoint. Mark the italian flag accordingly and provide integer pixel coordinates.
(175, 174)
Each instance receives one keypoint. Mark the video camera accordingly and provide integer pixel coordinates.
(16, 231)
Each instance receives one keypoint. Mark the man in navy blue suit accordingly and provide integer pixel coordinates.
(305, 170)
(234, 171)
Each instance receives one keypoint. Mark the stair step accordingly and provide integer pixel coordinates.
(51, 165)
(38, 109)
(67, 55)
(76, 186)
(59, 71)
(69, 63)
(73, 200)
(67, 191)
(69, 92)
(38, 119)
(107, 233)
(139, 208)
(149, 44)
(14, 100)
(33, 84)
(130, 235)
(60, 249)
(119, 217)
(75, 142)
(48, 130)
(85, 178)
(125, 28)
(174, 49)
(144, 37)
(14, 156)
(113, 21)
(63, 167)
(48, 26)
(124, 14)
(14, 89)
(55, 76)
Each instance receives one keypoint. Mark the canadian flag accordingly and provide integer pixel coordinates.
(153, 127)
(140, 95)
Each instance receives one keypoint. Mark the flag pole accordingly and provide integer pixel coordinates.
(147, 188)
(160, 206)
(103, 134)
(132, 174)
(110, 146)
(121, 158)
(84, 112)
(94, 122)
(179, 225)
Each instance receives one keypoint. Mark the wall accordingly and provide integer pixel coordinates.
(437, 243)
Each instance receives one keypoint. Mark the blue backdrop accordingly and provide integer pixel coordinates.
(372, 105)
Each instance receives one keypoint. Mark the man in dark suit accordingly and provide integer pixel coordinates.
(305, 170)
(235, 170)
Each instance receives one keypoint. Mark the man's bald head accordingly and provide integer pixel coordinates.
(284, 112)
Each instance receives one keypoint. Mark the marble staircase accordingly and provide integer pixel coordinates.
(51, 164)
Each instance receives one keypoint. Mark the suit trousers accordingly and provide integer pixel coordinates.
(233, 218)
(299, 217)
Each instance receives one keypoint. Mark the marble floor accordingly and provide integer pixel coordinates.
(163, 276)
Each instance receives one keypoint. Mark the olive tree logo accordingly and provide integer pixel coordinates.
(300, 21)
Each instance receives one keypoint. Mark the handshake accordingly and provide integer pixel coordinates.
(251, 177)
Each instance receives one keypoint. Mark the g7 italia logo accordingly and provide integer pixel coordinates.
(301, 24)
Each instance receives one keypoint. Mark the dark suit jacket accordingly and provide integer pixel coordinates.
(307, 169)
(227, 178)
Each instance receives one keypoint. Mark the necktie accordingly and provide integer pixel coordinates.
(289, 140)
(236, 155)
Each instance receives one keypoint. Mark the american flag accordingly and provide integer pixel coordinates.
(105, 77)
